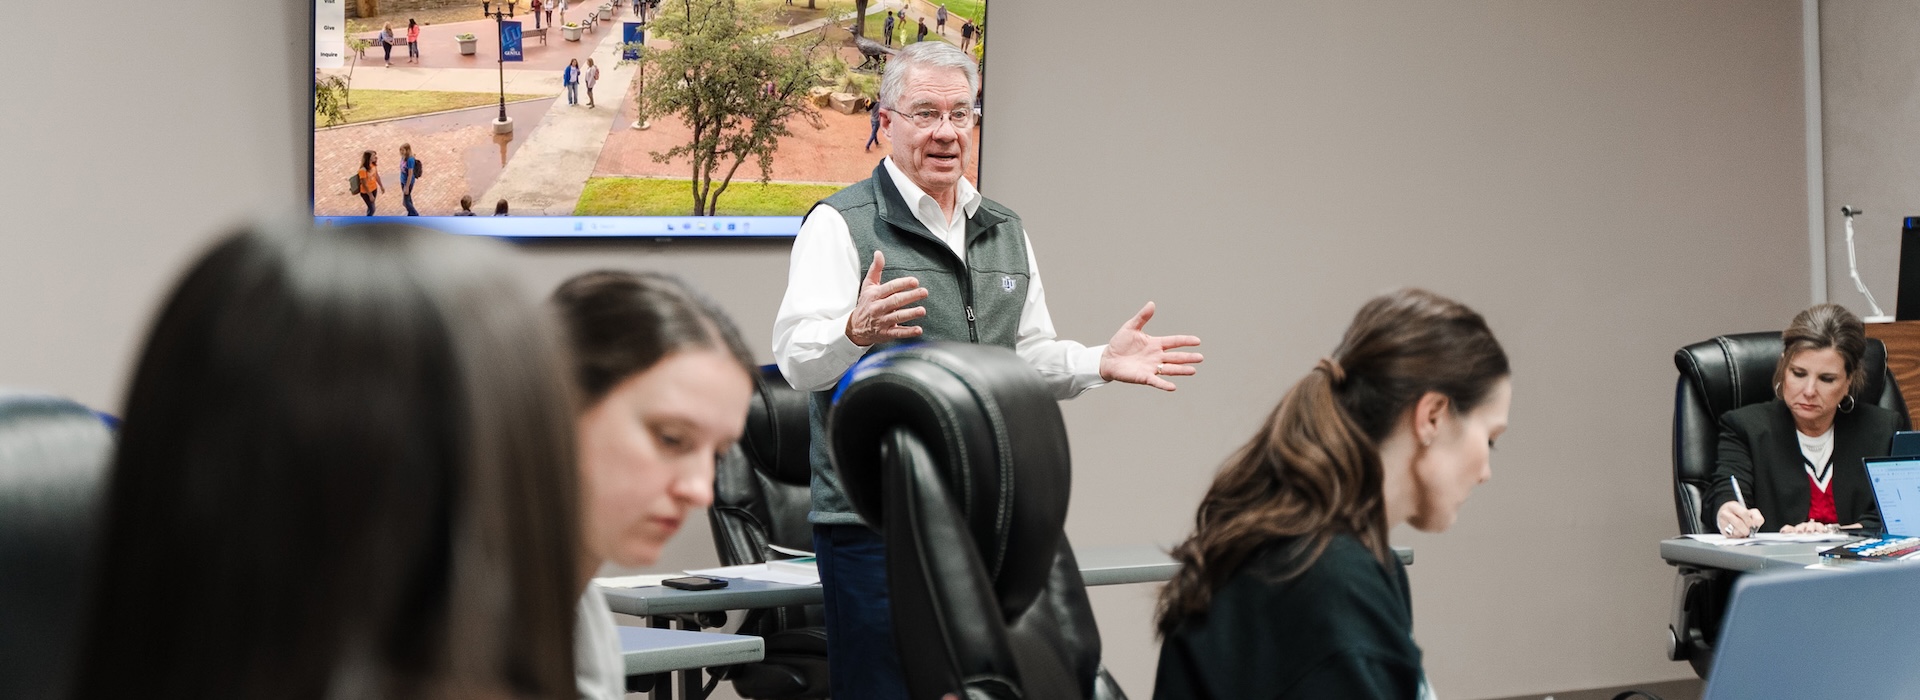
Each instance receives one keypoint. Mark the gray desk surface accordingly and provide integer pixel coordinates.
(650, 650)
(1746, 557)
(1099, 566)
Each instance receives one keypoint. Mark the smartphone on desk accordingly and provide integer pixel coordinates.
(695, 583)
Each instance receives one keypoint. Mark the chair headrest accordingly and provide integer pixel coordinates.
(777, 434)
(54, 457)
(1735, 370)
(994, 432)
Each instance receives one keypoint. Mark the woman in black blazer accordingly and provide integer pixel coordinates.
(1798, 458)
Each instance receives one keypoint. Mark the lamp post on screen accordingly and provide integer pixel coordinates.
(503, 125)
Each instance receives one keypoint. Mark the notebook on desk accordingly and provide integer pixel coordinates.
(1820, 634)
(1896, 487)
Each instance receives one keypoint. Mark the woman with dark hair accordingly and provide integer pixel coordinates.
(369, 179)
(665, 381)
(344, 472)
(1798, 458)
(1287, 588)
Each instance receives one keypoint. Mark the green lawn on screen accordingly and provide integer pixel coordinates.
(646, 196)
(374, 105)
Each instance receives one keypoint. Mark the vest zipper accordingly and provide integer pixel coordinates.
(972, 333)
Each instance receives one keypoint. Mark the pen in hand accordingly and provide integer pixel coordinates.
(1743, 506)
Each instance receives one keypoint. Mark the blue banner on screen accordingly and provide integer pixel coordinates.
(635, 34)
(510, 41)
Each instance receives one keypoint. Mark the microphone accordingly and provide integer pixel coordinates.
(1853, 269)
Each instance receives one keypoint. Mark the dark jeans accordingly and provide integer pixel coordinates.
(873, 135)
(368, 198)
(413, 49)
(861, 661)
(386, 52)
(406, 199)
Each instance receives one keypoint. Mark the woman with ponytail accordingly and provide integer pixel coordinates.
(1287, 588)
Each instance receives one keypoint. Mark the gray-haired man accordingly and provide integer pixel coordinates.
(914, 251)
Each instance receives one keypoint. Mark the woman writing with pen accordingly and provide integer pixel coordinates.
(1793, 464)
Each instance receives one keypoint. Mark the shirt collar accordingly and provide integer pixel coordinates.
(966, 196)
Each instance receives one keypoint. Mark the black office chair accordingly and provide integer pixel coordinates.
(958, 455)
(761, 496)
(1717, 376)
(54, 456)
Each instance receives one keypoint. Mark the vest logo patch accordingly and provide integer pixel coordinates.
(1007, 284)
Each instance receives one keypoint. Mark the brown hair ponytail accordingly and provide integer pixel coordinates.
(1313, 470)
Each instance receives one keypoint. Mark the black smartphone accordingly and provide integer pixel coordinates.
(695, 583)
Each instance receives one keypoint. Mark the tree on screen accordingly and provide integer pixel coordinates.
(736, 86)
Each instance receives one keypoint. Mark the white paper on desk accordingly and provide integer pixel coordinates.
(633, 581)
(1770, 538)
(760, 572)
(789, 551)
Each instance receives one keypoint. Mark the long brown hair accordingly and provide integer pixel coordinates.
(346, 469)
(1313, 470)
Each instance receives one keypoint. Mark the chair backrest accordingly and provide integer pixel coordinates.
(761, 491)
(54, 456)
(1728, 372)
(957, 453)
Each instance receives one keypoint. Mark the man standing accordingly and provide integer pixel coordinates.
(966, 34)
(921, 34)
(973, 278)
(887, 28)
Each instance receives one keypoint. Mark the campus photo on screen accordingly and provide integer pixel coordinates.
(627, 108)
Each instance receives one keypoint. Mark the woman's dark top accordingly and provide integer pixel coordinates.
(1758, 446)
(1341, 629)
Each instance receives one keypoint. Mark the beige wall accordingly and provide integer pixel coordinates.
(1605, 181)
(1870, 86)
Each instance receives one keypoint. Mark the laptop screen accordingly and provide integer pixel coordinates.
(1896, 484)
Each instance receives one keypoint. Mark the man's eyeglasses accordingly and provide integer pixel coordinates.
(930, 118)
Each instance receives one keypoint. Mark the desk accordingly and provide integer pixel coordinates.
(1099, 566)
(1110, 565)
(650, 650)
(1746, 557)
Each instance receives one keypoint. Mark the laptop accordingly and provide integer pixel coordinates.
(1896, 487)
(1906, 443)
(1801, 634)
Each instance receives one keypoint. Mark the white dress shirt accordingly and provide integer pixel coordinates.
(823, 283)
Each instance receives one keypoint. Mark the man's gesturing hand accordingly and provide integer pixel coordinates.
(878, 313)
(1137, 358)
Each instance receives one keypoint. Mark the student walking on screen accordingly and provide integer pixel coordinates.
(410, 169)
(413, 41)
(975, 278)
(921, 34)
(370, 186)
(386, 44)
(887, 29)
(536, 14)
(588, 77)
(940, 19)
(873, 126)
(570, 77)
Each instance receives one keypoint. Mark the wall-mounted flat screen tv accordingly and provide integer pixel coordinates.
(594, 119)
